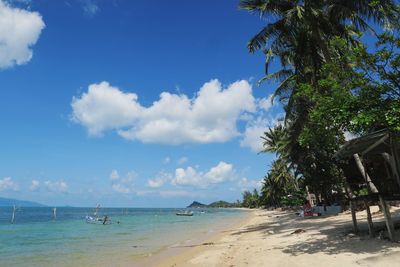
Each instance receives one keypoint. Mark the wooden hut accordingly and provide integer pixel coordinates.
(371, 165)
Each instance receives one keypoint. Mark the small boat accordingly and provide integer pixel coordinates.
(96, 219)
(185, 213)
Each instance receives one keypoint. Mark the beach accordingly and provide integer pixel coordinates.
(281, 238)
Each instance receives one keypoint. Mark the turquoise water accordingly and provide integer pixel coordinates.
(36, 239)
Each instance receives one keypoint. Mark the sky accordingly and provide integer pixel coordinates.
(131, 103)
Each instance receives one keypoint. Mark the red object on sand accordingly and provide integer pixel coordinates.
(307, 209)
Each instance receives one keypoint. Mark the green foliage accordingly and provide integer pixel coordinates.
(329, 84)
(364, 95)
(251, 200)
(296, 199)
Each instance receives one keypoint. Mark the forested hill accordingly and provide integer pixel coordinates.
(6, 202)
(216, 204)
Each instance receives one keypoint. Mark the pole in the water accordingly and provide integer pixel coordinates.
(54, 213)
(13, 215)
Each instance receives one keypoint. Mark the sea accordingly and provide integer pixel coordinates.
(36, 238)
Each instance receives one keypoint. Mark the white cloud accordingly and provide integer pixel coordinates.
(210, 116)
(105, 107)
(159, 181)
(255, 129)
(245, 184)
(90, 7)
(190, 176)
(56, 186)
(266, 103)
(182, 160)
(121, 188)
(114, 175)
(34, 186)
(123, 185)
(8, 184)
(19, 31)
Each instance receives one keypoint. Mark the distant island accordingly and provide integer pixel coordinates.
(216, 204)
(7, 202)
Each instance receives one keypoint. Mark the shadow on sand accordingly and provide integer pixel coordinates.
(330, 236)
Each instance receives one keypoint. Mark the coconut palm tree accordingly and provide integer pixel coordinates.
(298, 32)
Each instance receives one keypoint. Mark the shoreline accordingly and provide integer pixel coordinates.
(280, 238)
(181, 258)
(184, 248)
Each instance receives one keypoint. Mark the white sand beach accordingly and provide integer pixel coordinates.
(267, 238)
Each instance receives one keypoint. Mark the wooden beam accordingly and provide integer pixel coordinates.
(369, 219)
(353, 205)
(388, 219)
(380, 141)
(364, 173)
(395, 159)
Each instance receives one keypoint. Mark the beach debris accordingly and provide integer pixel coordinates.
(207, 244)
(298, 231)
(351, 235)
(271, 232)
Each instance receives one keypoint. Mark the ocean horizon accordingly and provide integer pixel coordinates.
(38, 239)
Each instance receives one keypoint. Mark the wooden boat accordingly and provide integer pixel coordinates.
(185, 213)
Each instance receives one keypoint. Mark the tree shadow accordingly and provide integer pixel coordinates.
(330, 236)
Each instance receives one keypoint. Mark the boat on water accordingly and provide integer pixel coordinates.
(185, 213)
(96, 219)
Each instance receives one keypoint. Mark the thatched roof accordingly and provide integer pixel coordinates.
(373, 143)
(371, 148)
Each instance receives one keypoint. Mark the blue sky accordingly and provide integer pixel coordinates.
(130, 103)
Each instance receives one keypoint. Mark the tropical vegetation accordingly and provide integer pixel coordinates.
(330, 84)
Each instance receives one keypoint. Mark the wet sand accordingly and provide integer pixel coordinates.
(276, 238)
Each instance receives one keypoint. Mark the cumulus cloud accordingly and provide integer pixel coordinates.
(7, 183)
(34, 186)
(160, 180)
(105, 107)
(121, 188)
(56, 186)
(210, 116)
(245, 184)
(255, 129)
(122, 185)
(190, 176)
(266, 103)
(19, 31)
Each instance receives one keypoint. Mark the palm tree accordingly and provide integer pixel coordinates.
(299, 32)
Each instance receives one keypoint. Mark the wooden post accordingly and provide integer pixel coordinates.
(388, 218)
(395, 159)
(309, 196)
(369, 219)
(353, 215)
(364, 173)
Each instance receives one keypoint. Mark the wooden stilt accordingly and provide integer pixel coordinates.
(388, 218)
(372, 188)
(369, 218)
(353, 215)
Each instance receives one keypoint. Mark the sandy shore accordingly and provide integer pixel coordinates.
(267, 238)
